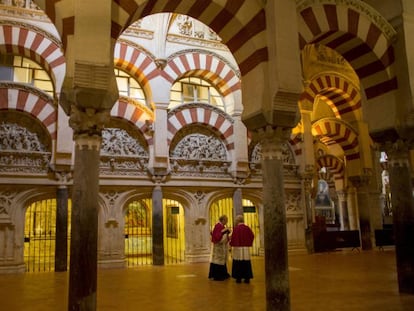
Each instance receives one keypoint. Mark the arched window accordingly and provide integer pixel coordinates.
(23, 70)
(128, 86)
(191, 89)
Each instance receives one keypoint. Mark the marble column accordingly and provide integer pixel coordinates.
(275, 237)
(403, 214)
(343, 210)
(364, 215)
(84, 224)
(237, 202)
(157, 227)
(351, 203)
(307, 176)
(61, 248)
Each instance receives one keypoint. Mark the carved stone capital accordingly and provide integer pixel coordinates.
(398, 153)
(341, 195)
(361, 180)
(62, 174)
(88, 121)
(272, 139)
(308, 172)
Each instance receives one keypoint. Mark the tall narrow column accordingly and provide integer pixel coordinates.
(351, 203)
(364, 215)
(308, 168)
(403, 214)
(275, 238)
(84, 225)
(343, 210)
(307, 176)
(157, 227)
(237, 202)
(61, 248)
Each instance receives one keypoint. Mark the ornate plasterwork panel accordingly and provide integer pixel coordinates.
(199, 155)
(24, 8)
(199, 147)
(122, 154)
(293, 201)
(21, 150)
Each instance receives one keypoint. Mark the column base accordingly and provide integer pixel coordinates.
(197, 257)
(112, 264)
(12, 268)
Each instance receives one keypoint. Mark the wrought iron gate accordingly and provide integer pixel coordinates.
(40, 235)
(219, 208)
(138, 233)
(174, 236)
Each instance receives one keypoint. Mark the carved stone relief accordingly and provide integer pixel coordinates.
(122, 154)
(199, 155)
(21, 150)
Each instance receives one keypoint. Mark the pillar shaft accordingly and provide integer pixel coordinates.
(275, 238)
(237, 202)
(84, 225)
(157, 227)
(363, 206)
(307, 176)
(403, 217)
(364, 218)
(343, 210)
(61, 248)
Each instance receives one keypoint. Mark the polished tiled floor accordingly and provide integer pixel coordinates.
(337, 281)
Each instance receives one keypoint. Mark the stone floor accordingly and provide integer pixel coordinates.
(336, 281)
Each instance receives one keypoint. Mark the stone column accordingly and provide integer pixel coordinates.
(84, 224)
(157, 227)
(237, 202)
(87, 124)
(61, 248)
(403, 213)
(307, 177)
(343, 210)
(364, 203)
(351, 203)
(275, 237)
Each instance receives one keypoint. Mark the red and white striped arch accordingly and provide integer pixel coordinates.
(29, 100)
(344, 98)
(333, 163)
(197, 64)
(205, 66)
(136, 62)
(334, 130)
(137, 115)
(361, 35)
(241, 24)
(212, 118)
(30, 42)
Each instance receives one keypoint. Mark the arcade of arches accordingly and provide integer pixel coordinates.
(126, 131)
